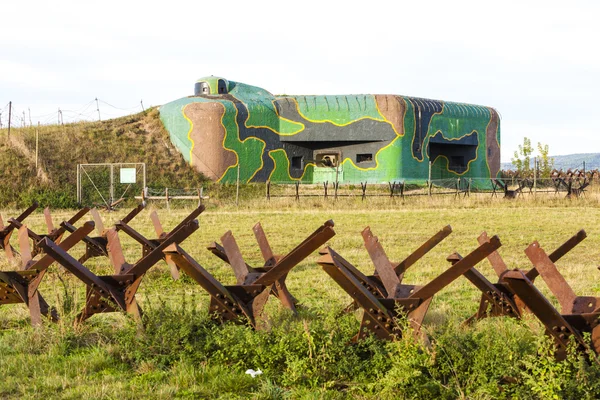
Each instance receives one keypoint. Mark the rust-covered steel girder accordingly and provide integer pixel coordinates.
(579, 314)
(245, 301)
(115, 292)
(97, 246)
(244, 271)
(22, 286)
(7, 230)
(379, 257)
(498, 299)
(384, 298)
(54, 234)
(150, 244)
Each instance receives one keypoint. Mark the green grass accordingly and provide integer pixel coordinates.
(181, 353)
(134, 138)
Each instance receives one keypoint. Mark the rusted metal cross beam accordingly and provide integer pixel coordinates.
(561, 326)
(245, 274)
(383, 303)
(379, 258)
(97, 246)
(22, 286)
(245, 301)
(150, 244)
(498, 299)
(115, 292)
(54, 234)
(7, 230)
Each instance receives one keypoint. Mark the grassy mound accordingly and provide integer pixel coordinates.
(134, 138)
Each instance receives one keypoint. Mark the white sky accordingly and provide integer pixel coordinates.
(536, 62)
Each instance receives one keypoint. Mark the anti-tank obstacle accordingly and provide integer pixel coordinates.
(384, 298)
(245, 301)
(498, 299)
(22, 286)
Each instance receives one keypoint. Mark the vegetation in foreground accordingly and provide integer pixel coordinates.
(181, 353)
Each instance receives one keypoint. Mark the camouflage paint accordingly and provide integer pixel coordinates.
(261, 132)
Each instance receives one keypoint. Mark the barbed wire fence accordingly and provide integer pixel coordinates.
(14, 115)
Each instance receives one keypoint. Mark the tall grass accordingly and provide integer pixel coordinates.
(182, 353)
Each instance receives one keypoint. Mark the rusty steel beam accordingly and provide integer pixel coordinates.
(497, 299)
(6, 231)
(382, 263)
(96, 246)
(561, 327)
(53, 234)
(244, 302)
(298, 254)
(22, 286)
(275, 269)
(239, 303)
(383, 304)
(115, 292)
(150, 244)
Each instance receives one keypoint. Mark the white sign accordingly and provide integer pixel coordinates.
(127, 175)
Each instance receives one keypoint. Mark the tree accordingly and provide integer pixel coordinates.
(545, 163)
(522, 157)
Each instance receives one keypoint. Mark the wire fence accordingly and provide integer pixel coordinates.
(21, 116)
(330, 191)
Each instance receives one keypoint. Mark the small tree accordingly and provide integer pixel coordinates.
(545, 163)
(522, 158)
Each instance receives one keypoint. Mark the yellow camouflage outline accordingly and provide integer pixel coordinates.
(289, 163)
(331, 122)
(386, 120)
(425, 140)
(448, 161)
(278, 116)
(262, 164)
(190, 131)
(487, 160)
(398, 136)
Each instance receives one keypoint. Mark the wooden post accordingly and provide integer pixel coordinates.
(269, 190)
(144, 177)
(325, 189)
(534, 176)
(98, 109)
(335, 193)
(429, 178)
(9, 116)
(78, 185)
(457, 187)
(37, 135)
(167, 197)
(112, 187)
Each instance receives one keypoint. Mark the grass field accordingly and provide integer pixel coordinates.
(181, 353)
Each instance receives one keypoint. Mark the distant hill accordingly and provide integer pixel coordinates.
(592, 161)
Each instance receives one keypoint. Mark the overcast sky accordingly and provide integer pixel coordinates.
(536, 62)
